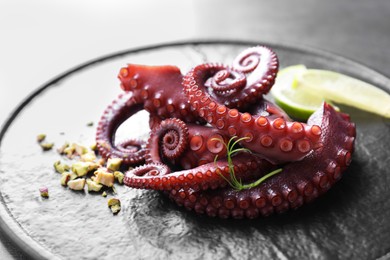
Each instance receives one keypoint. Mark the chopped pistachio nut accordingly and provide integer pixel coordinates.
(80, 149)
(61, 150)
(69, 150)
(104, 194)
(41, 137)
(113, 164)
(93, 146)
(119, 176)
(104, 177)
(67, 176)
(44, 192)
(77, 184)
(115, 205)
(47, 146)
(93, 186)
(90, 156)
(61, 167)
(90, 123)
(101, 161)
(82, 168)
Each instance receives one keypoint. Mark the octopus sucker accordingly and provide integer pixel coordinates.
(217, 146)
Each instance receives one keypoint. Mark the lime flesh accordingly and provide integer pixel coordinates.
(301, 91)
(346, 90)
(288, 95)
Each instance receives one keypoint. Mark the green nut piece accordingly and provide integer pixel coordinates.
(41, 137)
(47, 146)
(77, 184)
(61, 167)
(119, 176)
(93, 147)
(67, 176)
(93, 186)
(61, 150)
(68, 150)
(90, 123)
(104, 177)
(80, 149)
(104, 194)
(82, 168)
(115, 205)
(113, 164)
(90, 156)
(44, 192)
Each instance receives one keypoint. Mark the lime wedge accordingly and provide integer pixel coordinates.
(346, 90)
(294, 100)
(301, 91)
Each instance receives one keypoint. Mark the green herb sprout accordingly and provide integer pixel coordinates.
(231, 151)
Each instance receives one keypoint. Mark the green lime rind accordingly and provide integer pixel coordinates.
(300, 114)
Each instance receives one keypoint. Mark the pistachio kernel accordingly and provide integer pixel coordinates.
(119, 176)
(66, 177)
(61, 167)
(93, 186)
(93, 147)
(61, 150)
(115, 205)
(77, 184)
(90, 156)
(68, 151)
(41, 137)
(47, 146)
(101, 161)
(104, 177)
(44, 191)
(82, 168)
(90, 123)
(113, 164)
(80, 149)
(104, 194)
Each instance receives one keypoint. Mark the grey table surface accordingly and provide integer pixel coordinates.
(40, 39)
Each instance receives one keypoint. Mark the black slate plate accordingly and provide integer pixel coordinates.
(351, 221)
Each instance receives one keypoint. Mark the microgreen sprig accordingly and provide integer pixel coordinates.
(231, 151)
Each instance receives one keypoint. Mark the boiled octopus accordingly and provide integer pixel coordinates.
(193, 117)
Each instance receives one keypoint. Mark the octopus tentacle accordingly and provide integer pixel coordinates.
(131, 151)
(160, 91)
(252, 74)
(168, 140)
(262, 64)
(207, 176)
(227, 81)
(274, 138)
(295, 185)
(201, 146)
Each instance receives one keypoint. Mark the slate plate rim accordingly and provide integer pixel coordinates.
(10, 227)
